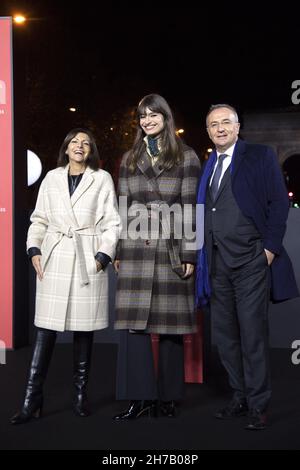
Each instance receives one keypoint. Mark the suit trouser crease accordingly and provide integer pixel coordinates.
(239, 307)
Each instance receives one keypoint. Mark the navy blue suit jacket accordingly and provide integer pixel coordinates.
(260, 192)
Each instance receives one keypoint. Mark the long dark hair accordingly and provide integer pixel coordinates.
(171, 146)
(93, 160)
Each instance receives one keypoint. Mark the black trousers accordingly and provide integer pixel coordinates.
(136, 378)
(239, 309)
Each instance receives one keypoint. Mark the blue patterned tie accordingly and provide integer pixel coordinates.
(214, 187)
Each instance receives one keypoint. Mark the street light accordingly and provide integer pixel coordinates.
(291, 198)
(19, 19)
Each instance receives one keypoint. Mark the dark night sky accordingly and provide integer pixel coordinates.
(104, 61)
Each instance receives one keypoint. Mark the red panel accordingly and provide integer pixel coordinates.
(6, 192)
(193, 353)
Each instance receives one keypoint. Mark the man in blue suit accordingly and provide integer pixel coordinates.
(246, 208)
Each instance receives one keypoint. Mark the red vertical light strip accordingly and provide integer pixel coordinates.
(6, 188)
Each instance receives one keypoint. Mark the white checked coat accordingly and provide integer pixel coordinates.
(69, 232)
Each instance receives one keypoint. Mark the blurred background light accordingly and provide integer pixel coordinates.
(34, 168)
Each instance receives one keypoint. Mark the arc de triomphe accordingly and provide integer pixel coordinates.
(280, 129)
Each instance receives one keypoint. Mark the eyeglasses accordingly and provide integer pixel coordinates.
(226, 123)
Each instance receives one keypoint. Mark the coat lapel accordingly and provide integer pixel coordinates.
(65, 193)
(84, 184)
(149, 171)
(145, 165)
(224, 180)
(63, 184)
(157, 169)
(238, 157)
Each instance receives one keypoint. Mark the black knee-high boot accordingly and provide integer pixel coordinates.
(41, 356)
(82, 349)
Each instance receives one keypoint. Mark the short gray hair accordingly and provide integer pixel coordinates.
(222, 105)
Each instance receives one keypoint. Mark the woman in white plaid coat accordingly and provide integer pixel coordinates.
(73, 236)
(155, 290)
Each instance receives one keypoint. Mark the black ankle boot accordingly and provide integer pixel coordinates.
(33, 400)
(82, 348)
(138, 408)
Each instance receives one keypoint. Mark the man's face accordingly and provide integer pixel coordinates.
(223, 128)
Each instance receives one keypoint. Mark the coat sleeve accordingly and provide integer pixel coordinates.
(188, 200)
(278, 204)
(39, 220)
(110, 223)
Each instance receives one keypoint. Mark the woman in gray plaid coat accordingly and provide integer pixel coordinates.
(73, 235)
(155, 261)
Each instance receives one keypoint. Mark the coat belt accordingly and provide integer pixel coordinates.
(168, 235)
(76, 233)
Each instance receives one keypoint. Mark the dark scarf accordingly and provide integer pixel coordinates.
(203, 289)
(153, 145)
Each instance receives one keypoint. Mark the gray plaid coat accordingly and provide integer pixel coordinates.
(69, 232)
(151, 294)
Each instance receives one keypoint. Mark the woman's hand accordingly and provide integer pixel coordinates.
(117, 265)
(99, 266)
(188, 270)
(36, 262)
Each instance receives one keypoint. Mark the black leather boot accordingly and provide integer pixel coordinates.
(82, 349)
(33, 400)
(138, 408)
